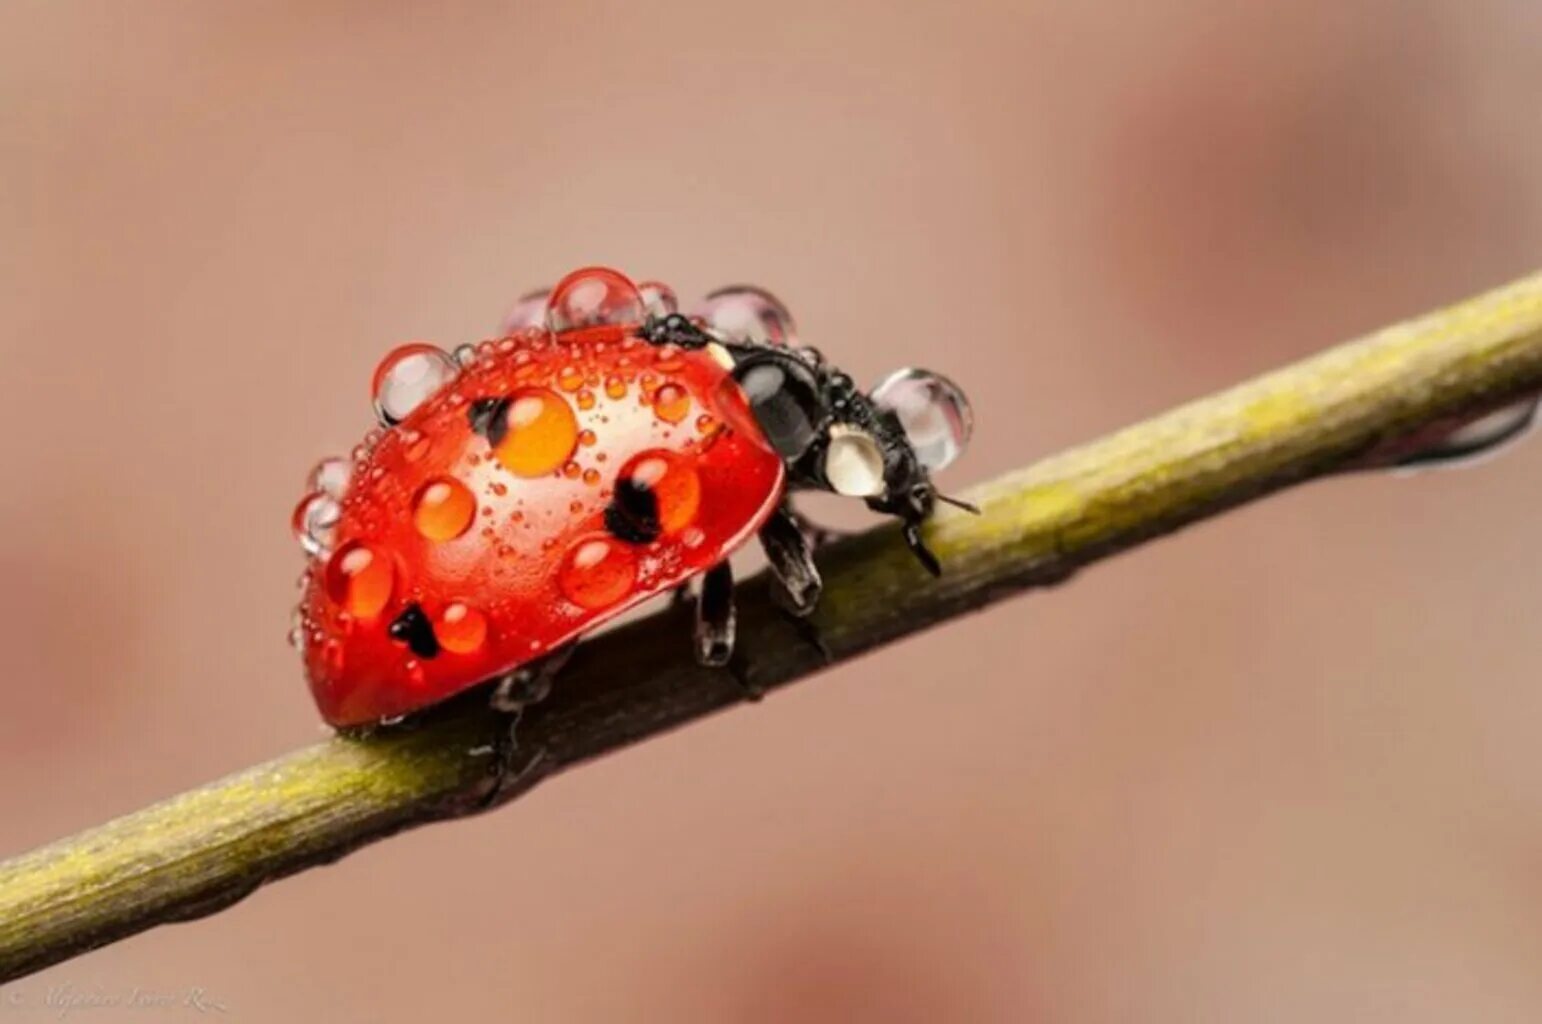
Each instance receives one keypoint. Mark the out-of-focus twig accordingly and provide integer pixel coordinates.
(205, 849)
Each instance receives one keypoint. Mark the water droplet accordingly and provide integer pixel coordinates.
(407, 377)
(359, 580)
(1473, 441)
(591, 297)
(465, 355)
(671, 403)
(541, 433)
(746, 314)
(615, 387)
(528, 312)
(591, 477)
(415, 445)
(315, 522)
(571, 470)
(461, 629)
(586, 438)
(330, 476)
(597, 572)
(585, 399)
(706, 423)
(933, 412)
(443, 509)
(673, 482)
(658, 298)
(570, 378)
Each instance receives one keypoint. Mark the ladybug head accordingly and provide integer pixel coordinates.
(881, 446)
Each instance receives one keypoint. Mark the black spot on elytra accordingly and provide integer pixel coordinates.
(412, 628)
(633, 513)
(487, 416)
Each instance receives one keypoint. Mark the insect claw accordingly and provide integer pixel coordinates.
(921, 551)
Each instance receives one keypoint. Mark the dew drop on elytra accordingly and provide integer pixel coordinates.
(407, 377)
(330, 476)
(315, 522)
(591, 297)
(597, 572)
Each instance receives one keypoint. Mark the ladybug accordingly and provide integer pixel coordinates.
(605, 450)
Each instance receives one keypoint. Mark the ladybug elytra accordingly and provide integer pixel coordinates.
(605, 450)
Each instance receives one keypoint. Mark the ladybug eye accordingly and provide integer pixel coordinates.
(854, 463)
(784, 398)
(747, 315)
(932, 410)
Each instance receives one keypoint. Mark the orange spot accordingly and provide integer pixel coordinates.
(597, 572)
(461, 629)
(359, 580)
(443, 509)
(542, 433)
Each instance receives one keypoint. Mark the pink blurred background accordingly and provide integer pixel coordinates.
(1282, 767)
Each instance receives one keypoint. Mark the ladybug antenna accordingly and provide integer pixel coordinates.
(967, 506)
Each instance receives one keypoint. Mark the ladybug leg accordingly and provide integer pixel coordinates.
(791, 552)
(529, 684)
(715, 616)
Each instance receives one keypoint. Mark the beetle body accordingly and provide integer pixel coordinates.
(511, 512)
(605, 450)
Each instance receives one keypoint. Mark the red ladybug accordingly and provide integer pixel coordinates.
(606, 450)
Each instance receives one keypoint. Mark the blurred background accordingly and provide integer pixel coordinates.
(1280, 767)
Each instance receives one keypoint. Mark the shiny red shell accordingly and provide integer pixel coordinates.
(504, 548)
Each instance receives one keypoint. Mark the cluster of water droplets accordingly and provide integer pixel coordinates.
(539, 435)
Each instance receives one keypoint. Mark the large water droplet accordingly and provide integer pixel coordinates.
(1476, 439)
(359, 579)
(597, 572)
(591, 297)
(315, 522)
(461, 629)
(541, 433)
(671, 403)
(933, 411)
(443, 509)
(330, 476)
(658, 298)
(407, 377)
(528, 312)
(746, 314)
